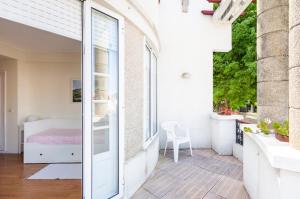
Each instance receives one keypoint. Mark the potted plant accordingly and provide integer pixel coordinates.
(281, 131)
(264, 126)
(228, 111)
(248, 130)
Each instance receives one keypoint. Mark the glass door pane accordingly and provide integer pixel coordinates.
(105, 100)
(147, 93)
(154, 95)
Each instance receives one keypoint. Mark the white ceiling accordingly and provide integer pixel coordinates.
(27, 38)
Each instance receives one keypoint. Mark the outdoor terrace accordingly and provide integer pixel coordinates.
(205, 175)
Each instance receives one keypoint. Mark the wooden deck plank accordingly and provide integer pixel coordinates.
(213, 196)
(230, 188)
(196, 186)
(160, 184)
(143, 194)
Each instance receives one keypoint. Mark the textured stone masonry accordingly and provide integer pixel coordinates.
(265, 27)
(273, 68)
(134, 91)
(265, 5)
(294, 73)
(272, 55)
(271, 98)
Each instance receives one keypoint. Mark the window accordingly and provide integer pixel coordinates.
(154, 95)
(150, 93)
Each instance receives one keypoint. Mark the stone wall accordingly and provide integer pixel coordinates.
(272, 59)
(294, 73)
(134, 91)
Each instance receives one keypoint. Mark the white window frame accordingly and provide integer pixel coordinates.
(148, 102)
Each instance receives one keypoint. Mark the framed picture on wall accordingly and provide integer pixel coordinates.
(76, 90)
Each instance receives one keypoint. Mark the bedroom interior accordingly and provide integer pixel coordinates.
(41, 135)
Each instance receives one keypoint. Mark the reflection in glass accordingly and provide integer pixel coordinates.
(105, 63)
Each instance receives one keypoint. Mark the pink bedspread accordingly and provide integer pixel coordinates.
(56, 136)
(63, 136)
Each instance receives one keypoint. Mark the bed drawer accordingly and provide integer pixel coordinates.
(36, 153)
(72, 155)
(39, 156)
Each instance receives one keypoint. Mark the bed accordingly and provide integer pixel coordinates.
(53, 141)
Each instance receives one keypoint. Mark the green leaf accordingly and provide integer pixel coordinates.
(235, 71)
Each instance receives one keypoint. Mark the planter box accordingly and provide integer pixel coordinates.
(223, 132)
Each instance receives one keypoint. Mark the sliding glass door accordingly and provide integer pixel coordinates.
(102, 102)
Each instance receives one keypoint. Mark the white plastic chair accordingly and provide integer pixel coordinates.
(177, 135)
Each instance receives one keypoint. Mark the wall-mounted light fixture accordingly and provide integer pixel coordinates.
(185, 5)
(186, 75)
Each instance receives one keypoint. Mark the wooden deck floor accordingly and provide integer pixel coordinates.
(205, 175)
(13, 182)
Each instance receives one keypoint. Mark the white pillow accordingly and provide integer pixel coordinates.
(32, 118)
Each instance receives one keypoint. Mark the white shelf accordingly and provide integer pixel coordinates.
(97, 118)
(101, 74)
(100, 101)
(100, 127)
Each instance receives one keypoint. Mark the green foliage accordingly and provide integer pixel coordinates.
(248, 130)
(282, 129)
(264, 127)
(216, 5)
(235, 71)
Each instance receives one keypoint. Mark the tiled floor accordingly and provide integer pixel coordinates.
(205, 175)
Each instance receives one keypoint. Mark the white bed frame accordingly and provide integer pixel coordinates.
(47, 153)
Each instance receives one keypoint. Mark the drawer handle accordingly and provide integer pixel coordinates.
(41, 154)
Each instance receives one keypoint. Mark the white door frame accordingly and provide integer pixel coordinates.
(87, 96)
(3, 107)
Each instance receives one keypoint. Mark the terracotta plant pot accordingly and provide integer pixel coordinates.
(228, 111)
(282, 138)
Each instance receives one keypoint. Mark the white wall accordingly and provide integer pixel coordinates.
(37, 14)
(11, 104)
(45, 88)
(135, 13)
(149, 8)
(187, 44)
(37, 84)
(139, 168)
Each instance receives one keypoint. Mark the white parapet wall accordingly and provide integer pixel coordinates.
(271, 168)
(140, 167)
(238, 148)
(223, 132)
(237, 151)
